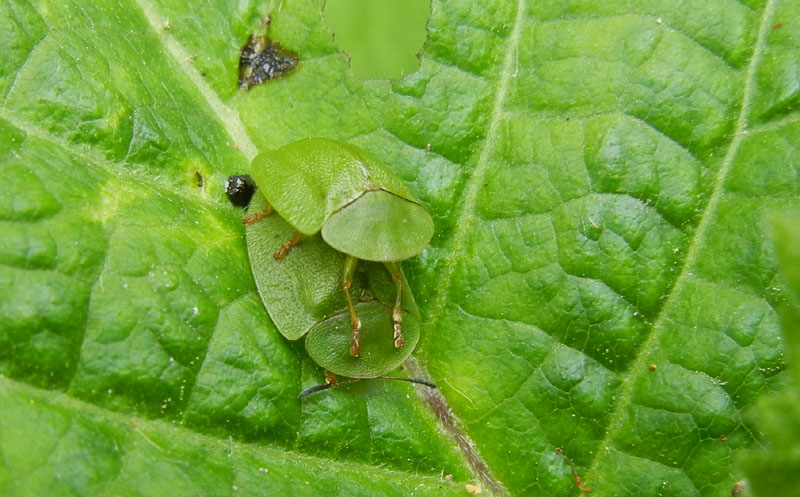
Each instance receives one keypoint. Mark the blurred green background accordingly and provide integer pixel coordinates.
(382, 37)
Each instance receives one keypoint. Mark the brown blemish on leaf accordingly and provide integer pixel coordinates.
(262, 60)
(579, 483)
(472, 489)
(442, 411)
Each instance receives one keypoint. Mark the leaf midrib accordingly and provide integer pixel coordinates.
(226, 115)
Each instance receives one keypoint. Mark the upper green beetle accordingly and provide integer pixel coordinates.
(360, 207)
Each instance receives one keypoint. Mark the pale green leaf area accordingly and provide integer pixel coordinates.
(772, 467)
(599, 298)
(380, 37)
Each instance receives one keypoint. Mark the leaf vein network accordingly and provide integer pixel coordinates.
(625, 397)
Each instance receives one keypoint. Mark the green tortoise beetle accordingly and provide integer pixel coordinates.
(303, 295)
(360, 208)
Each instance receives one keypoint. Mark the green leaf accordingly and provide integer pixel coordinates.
(598, 300)
(771, 468)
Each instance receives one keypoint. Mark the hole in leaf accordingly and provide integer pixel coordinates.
(262, 60)
(381, 37)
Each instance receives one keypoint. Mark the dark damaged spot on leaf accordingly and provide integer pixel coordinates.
(262, 60)
(240, 189)
(199, 178)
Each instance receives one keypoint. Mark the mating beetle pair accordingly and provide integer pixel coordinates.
(336, 206)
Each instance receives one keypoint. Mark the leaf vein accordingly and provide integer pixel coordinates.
(625, 397)
(226, 115)
(650, 18)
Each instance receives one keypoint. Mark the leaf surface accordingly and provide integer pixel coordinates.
(598, 300)
(771, 466)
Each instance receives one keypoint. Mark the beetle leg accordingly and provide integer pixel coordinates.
(286, 247)
(355, 322)
(397, 311)
(258, 216)
(330, 377)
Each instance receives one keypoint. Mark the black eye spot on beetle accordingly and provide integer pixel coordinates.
(240, 190)
(262, 60)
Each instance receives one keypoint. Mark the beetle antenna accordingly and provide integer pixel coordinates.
(327, 386)
(418, 381)
(318, 388)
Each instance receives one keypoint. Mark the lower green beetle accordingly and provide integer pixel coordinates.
(359, 206)
(336, 206)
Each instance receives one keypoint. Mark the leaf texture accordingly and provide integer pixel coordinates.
(598, 301)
